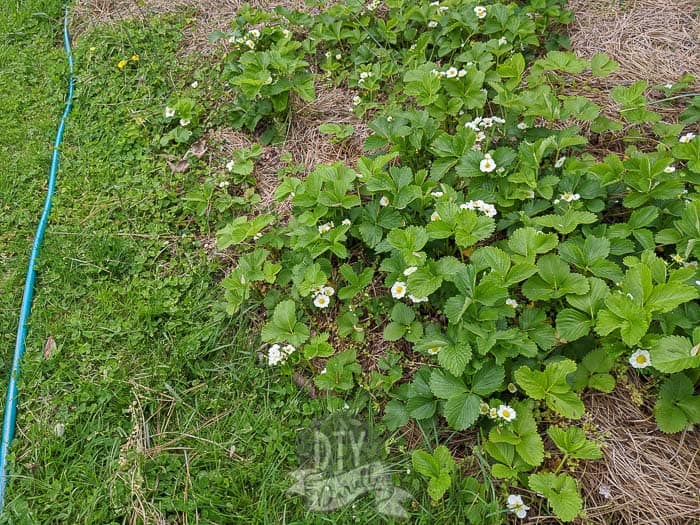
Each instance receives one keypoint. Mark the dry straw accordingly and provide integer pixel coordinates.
(646, 477)
(653, 40)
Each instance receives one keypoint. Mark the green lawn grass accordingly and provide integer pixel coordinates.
(152, 408)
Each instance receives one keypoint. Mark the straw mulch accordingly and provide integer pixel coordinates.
(653, 40)
(646, 477)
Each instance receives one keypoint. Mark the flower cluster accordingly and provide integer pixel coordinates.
(278, 354)
(479, 123)
(326, 227)
(451, 72)
(364, 75)
(247, 41)
(570, 197)
(484, 207)
(505, 412)
(322, 296)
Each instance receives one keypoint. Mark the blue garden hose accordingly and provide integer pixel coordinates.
(8, 423)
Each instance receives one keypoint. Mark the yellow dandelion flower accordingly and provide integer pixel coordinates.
(134, 58)
(122, 64)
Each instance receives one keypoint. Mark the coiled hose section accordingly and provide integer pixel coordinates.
(8, 424)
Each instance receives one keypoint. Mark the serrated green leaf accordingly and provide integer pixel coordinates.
(674, 354)
(561, 492)
(445, 385)
(423, 282)
(462, 410)
(573, 441)
(554, 279)
(284, 327)
(454, 357)
(528, 243)
(602, 65)
(572, 324)
(676, 406)
(501, 471)
(487, 379)
(395, 415)
(552, 386)
(394, 331)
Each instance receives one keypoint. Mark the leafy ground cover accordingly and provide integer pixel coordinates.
(462, 283)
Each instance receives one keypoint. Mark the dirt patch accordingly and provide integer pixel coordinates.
(646, 477)
(304, 147)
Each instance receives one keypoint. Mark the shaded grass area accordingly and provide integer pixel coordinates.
(152, 406)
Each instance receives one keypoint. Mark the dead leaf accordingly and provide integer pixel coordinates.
(49, 347)
(198, 149)
(181, 166)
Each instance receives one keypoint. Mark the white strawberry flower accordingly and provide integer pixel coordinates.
(322, 301)
(384, 201)
(328, 290)
(432, 24)
(560, 162)
(685, 139)
(506, 413)
(487, 165)
(669, 169)
(516, 506)
(522, 126)
(512, 303)
(435, 216)
(480, 11)
(452, 72)
(640, 359)
(398, 290)
(169, 112)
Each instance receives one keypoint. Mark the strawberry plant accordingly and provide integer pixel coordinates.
(505, 268)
